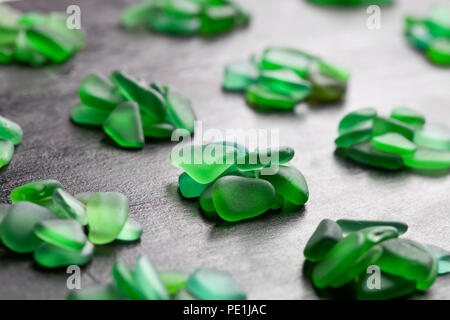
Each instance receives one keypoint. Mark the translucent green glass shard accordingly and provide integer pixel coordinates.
(63, 233)
(356, 118)
(174, 280)
(158, 130)
(50, 256)
(427, 159)
(356, 135)
(213, 284)
(408, 116)
(419, 35)
(69, 206)
(36, 192)
(25, 53)
(261, 158)
(6, 54)
(17, 228)
(333, 71)
(190, 188)
(348, 226)
(179, 111)
(107, 213)
(124, 126)
(394, 142)
(438, 20)
(383, 125)
(131, 231)
(9, 130)
(367, 154)
(137, 14)
(164, 23)
(439, 51)
(8, 35)
(391, 287)
(443, 257)
(433, 136)
(238, 198)
(148, 280)
(295, 60)
(182, 8)
(260, 96)
(206, 200)
(326, 89)
(82, 114)
(6, 152)
(327, 234)
(240, 75)
(98, 292)
(96, 91)
(125, 281)
(217, 19)
(286, 82)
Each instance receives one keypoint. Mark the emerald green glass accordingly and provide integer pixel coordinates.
(179, 111)
(261, 158)
(107, 213)
(17, 228)
(131, 231)
(36, 192)
(6, 152)
(213, 284)
(408, 116)
(260, 96)
(240, 75)
(174, 280)
(6, 54)
(326, 89)
(365, 153)
(24, 52)
(217, 19)
(327, 234)
(357, 135)
(98, 292)
(9, 130)
(286, 82)
(348, 226)
(69, 206)
(96, 91)
(206, 200)
(428, 159)
(438, 20)
(334, 71)
(355, 119)
(394, 142)
(82, 114)
(383, 125)
(190, 188)
(148, 280)
(182, 8)
(137, 14)
(391, 287)
(295, 60)
(181, 26)
(439, 51)
(125, 281)
(158, 130)
(433, 136)
(50, 256)
(419, 36)
(64, 233)
(124, 126)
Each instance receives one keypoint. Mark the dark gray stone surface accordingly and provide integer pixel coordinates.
(265, 254)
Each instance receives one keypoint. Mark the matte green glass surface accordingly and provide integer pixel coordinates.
(408, 116)
(131, 231)
(367, 154)
(6, 152)
(181, 26)
(190, 188)
(182, 8)
(69, 206)
(391, 287)
(85, 115)
(295, 60)
(137, 14)
(438, 19)
(357, 135)
(383, 125)
(217, 19)
(124, 126)
(213, 284)
(174, 280)
(240, 75)
(261, 158)
(286, 82)
(334, 71)
(50, 256)
(97, 91)
(98, 292)
(433, 136)
(290, 183)
(326, 89)
(356, 118)
(428, 159)
(443, 257)
(158, 130)
(206, 200)
(107, 213)
(6, 54)
(17, 228)
(394, 142)
(348, 225)
(439, 51)
(263, 97)
(9, 130)
(324, 238)
(64, 233)
(125, 281)
(237, 198)
(419, 36)
(179, 111)
(24, 52)
(148, 280)
(36, 192)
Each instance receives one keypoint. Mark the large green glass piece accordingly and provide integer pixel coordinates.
(158, 130)
(9, 130)
(442, 255)
(17, 228)
(25, 53)
(391, 287)
(124, 126)
(327, 234)
(260, 96)
(206, 200)
(439, 51)
(8, 35)
(50, 256)
(97, 91)
(367, 154)
(427, 159)
(107, 213)
(98, 292)
(174, 280)
(149, 100)
(394, 142)
(148, 280)
(261, 158)
(240, 75)
(383, 125)
(348, 225)
(355, 119)
(289, 183)
(237, 198)
(82, 114)
(203, 163)
(438, 20)
(359, 134)
(64, 233)
(295, 60)
(164, 23)
(6, 152)
(433, 136)
(286, 82)
(125, 280)
(213, 284)
(36, 192)
(409, 259)
(131, 231)
(326, 89)
(179, 111)
(190, 188)
(69, 206)
(408, 116)
(217, 19)
(137, 14)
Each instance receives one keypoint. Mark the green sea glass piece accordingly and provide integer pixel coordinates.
(9, 130)
(438, 20)
(355, 119)
(96, 91)
(240, 75)
(64, 233)
(124, 126)
(419, 36)
(383, 125)
(98, 292)
(439, 51)
(190, 188)
(137, 14)
(174, 280)
(395, 143)
(107, 213)
(180, 112)
(125, 281)
(428, 159)
(149, 100)
(148, 280)
(24, 52)
(442, 255)
(290, 183)
(82, 114)
(237, 198)
(408, 116)
(131, 231)
(50, 256)
(69, 206)
(334, 71)
(261, 158)
(213, 284)
(181, 26)
(6, 54)
(6, 152)
(206, 200)
(158, 130)
(326, 89)
(182, 8)
(217, 19)
(433, 136)
(348, 225)
(327, 234)
(286, 82)
(35, 192)
(391, 287)
(17, 228)
(263, 97)
(359, 134)
(367, 154)
(295, 60)
(409, 259)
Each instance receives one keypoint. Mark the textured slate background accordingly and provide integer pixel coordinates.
(265, 254)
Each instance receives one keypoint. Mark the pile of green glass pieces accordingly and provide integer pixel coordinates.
(282, 77)
(10, 135)
(36, 38)
(346, 253)
(351, 2)
(234, 184)
(47, 221)
(431, 34)
(401, 140)
(130, 109)
(145, 282)
(187, 17)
